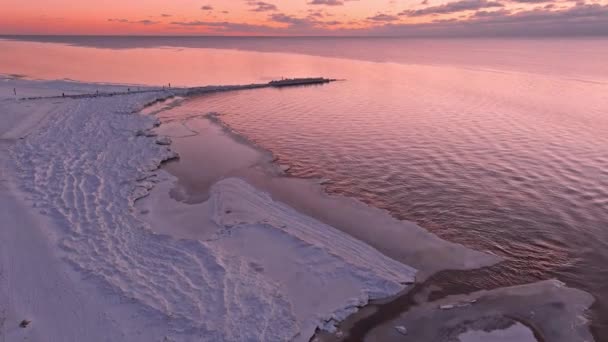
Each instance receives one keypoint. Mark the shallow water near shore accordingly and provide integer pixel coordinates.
(508, 156)
(196, 172)
(521, 173)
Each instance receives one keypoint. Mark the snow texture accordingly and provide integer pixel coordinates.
(269, 273)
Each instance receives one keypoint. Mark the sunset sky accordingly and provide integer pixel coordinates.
(305, 17)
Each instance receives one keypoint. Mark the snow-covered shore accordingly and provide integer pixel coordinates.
(268, 273)
(81, 260)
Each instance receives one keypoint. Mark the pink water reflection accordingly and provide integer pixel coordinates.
(157, 66)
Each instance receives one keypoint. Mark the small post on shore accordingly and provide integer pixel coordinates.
(15, 91)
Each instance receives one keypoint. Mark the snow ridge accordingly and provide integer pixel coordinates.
(86, 168)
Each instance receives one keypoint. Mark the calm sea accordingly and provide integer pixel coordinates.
(496, 144)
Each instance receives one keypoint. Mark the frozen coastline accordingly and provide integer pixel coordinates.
(263, 271)
(83, 167)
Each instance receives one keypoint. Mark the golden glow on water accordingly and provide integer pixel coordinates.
(160, 66)
(204, 61)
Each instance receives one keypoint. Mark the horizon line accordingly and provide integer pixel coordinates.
(574, 35)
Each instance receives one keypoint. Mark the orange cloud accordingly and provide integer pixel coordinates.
(271, 17)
